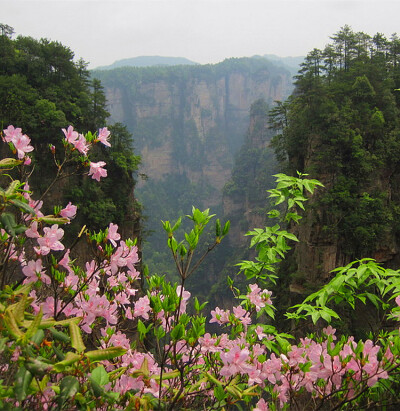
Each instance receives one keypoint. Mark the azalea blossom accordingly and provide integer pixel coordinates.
(112, 234)
(81, 144)
(142, 307)
(11, 133)
(34, 271)
(70, 134)
(50, 240)
(21, 144)
(103, 136)
(69, 211)
(97, 171)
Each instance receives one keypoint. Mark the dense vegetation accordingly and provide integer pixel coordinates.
(43, 89)
(342, 124)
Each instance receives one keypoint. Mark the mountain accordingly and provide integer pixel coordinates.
(188, 122)
(292, 63)
(148, 61)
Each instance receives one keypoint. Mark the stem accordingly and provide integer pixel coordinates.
(77, 292)
(201, 259)
(3, 264)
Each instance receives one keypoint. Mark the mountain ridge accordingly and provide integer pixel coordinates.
(148, 61)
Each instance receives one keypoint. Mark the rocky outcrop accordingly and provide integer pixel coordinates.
(192, 120)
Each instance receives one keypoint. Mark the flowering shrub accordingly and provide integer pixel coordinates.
(88, 337)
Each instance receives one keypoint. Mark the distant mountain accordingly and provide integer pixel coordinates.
(148, 61)
(292, 63)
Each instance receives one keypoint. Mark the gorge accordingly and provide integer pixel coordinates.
(188, 124)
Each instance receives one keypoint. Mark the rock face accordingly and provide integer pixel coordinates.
(192, 120)
(188, 123)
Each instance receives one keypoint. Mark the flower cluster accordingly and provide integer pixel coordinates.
(19, 141)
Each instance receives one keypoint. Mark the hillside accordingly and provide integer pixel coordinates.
(341, 125)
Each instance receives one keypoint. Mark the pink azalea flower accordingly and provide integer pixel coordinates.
(34, 271)
(69, 211)
(119, 339)
(235, 361)
(397, 300)
(260, 332)
(242, 315)
(32, 231)
(11, 133)
(70, 134)
(50, 240)
(48, 307)
(112, 234)
(81, 144)
(97, 171)
(219, 316)
(142, 307)
(65, 262)
(261, 406)
(103, 136)
(22, 146)
(133, 274)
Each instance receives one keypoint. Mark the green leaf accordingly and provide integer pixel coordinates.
(177, 224)
(219, 393)
(49, 219)
(98, 390)
(315, 315)
(37, 366)
(11, 324)
(70, 358)
(69, 386)
(3, 342)
(59, 354)
(59, 335)
(325, 316)
(8, 223)
(9, 162)
(23, 206)
(34, 325)
(105, 354)
(12, 188)
(99, 374)
(217, 228)
(178, 332)
(76, 338)
(23, 380)
(225, 230)
(141, 328)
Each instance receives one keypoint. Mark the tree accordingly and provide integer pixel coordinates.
(6, 30)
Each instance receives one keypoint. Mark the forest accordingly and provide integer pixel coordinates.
(309, 315)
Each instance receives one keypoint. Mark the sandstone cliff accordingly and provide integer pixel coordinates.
(192, 120)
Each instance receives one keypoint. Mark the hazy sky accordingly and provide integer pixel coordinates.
(205, 31)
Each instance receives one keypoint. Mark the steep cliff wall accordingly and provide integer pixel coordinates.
(188, 124)
(192, 120)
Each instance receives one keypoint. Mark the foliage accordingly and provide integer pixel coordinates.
(342, 123)
(63, 344)
(42, 88)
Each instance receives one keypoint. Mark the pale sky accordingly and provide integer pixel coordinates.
(205, 31)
